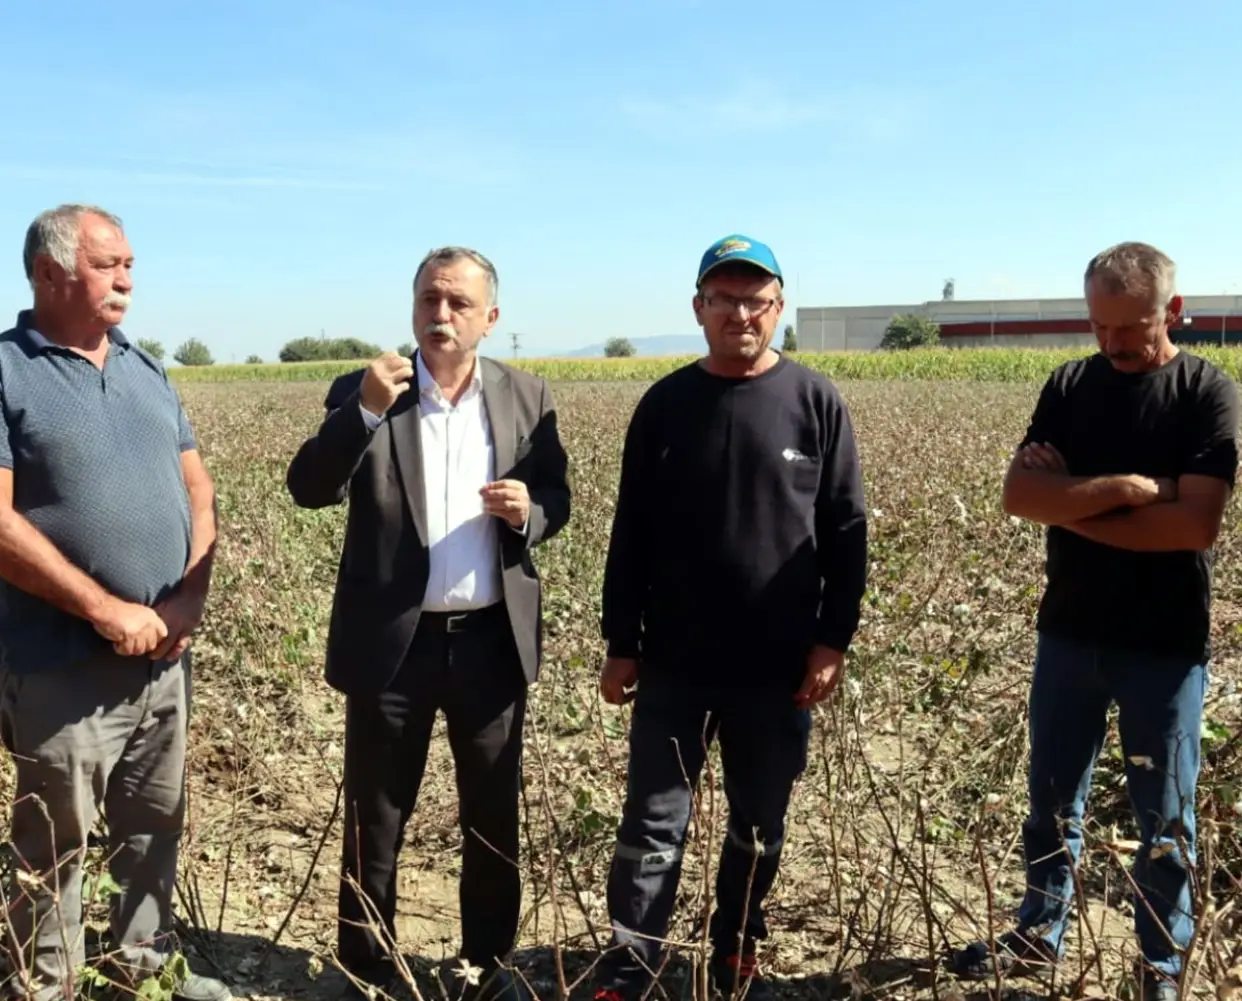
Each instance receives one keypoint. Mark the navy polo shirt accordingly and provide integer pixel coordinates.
(96, 460)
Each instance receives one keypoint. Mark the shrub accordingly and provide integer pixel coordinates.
(619, 347)
(910, 330)
(328, 349)
(194, 352)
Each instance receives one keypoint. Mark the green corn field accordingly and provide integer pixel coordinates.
(924, 364)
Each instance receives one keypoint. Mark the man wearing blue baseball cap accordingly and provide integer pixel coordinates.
(732, 589)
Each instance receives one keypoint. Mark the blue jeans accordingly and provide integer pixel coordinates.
(764, 738)
(1160, 708)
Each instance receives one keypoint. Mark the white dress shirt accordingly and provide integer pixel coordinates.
(459, 458)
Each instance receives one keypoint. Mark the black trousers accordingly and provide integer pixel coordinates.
(468, 667)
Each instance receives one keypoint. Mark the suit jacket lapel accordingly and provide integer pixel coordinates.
(498, 398)
(407, 451)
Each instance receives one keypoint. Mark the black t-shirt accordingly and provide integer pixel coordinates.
(740, 534)
(1181, 418)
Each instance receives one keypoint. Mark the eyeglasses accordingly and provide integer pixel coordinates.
(755, 305)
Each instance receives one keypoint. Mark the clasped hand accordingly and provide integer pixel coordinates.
(162, 632)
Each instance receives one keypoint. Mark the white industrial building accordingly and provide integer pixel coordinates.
(1001, 323)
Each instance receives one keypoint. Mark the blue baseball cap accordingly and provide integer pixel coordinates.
(737, 248)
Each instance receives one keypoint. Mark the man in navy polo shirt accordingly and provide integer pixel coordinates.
(107, 528)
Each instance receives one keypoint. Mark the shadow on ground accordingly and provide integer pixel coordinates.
(258, 972)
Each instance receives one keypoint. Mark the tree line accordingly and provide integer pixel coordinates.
(623, 347)
(195, 352)
(903, 332)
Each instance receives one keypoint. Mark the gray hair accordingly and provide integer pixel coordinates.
(1134, 268)
(55, 233)
(450, 255)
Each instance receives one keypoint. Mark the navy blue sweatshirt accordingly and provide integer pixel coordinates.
(740, 533)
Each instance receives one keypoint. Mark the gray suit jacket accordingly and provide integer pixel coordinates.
(384, 563)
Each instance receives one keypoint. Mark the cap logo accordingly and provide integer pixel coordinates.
(731, 246)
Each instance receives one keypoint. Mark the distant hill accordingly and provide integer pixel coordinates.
(666, 344)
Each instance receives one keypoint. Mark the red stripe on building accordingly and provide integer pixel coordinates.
(1207, 325)
(1202, 326)
(986, 328)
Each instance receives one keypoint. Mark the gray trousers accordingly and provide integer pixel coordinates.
(110, 735)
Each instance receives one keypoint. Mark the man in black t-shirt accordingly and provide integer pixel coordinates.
(735, 572)
(1129, 460)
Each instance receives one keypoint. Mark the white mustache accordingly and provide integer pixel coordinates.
(446, 329)
(116, 299)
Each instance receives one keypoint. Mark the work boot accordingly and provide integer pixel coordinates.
(1016, 954)
(742, 972)
(1154, 985)
(199, 988)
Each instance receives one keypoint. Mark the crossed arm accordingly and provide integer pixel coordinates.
(1126, 511)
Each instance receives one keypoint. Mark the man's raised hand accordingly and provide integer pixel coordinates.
(386, 378)
(507, 499)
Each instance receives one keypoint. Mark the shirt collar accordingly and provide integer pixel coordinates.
(427, 385)
(25, 324)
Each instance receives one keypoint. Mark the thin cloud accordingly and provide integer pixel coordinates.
(356, 166)
(740, 111)
(278, 140)
(763, 109)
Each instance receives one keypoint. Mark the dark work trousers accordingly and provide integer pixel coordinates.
(468, 667)
(763, 746)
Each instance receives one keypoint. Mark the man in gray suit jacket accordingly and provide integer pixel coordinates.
(454, 472)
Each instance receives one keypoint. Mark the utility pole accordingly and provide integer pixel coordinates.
(514, 337)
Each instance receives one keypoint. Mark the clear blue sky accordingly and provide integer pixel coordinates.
(281, 166)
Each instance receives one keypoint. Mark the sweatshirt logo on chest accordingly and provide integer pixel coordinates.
(793, 455)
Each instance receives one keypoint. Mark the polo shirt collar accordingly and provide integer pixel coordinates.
(25, 324)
